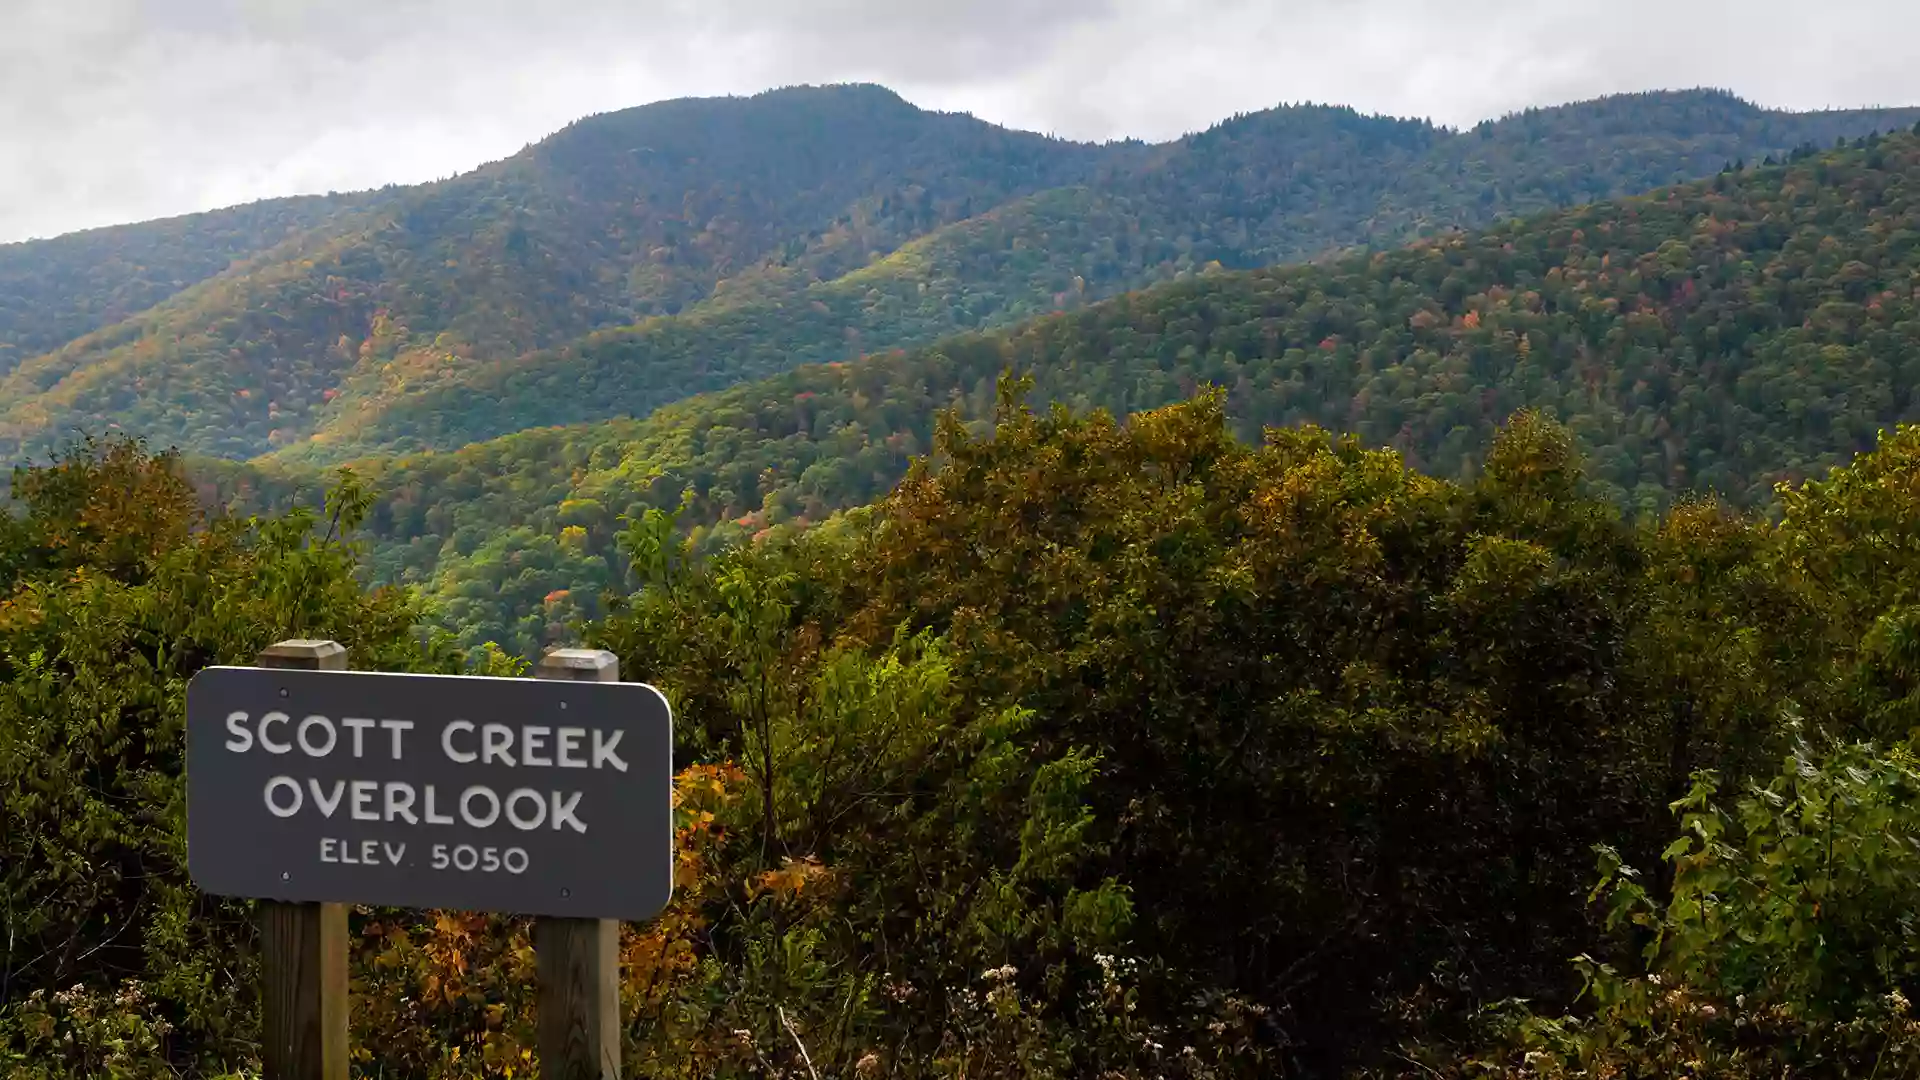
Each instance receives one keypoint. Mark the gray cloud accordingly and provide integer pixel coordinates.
(119, 110)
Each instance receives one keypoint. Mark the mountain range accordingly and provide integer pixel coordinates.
(765, 301)
(639, 257)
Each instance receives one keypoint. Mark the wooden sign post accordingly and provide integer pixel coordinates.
(577, 961)
(310, 786)
(303, 946)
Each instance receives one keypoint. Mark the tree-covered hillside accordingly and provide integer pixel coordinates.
(613, 219)
(1721, 336)
(53, 291)
(642, 256)
(1276, 186)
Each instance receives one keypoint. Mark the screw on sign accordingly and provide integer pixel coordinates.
(310, 787)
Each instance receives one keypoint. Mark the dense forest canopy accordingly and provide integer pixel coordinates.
(1238, 760)
(642, 256)
(1716, 337)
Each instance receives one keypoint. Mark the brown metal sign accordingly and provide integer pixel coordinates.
(448, 791)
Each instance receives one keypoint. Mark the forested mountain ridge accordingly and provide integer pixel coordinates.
(615, 218)
(53, 291)
(1275, 186)
(738, 237)
(1720, 336)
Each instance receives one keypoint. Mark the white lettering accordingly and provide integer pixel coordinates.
(271, 746)
(527, 824)
(563, 812)
(603, 750)
(317, 721)
(242, 740)
(327, 806)
(434, 817)
(358, 725)
(397, 807)
(532, 738)
(479, 806)
(369, 852)
(329, 849)
(395, 852)
(493, 802)
(363, 792)
(487, 859)
(570, 747)
(446, 742)
(398, 727)
(280, 783)
(496, 742)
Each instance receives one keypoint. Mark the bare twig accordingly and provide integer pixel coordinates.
(1422, 1066)
(804, 1056)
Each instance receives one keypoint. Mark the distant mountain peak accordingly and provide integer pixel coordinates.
(819, 95)
(1312, 118)
(843, 89)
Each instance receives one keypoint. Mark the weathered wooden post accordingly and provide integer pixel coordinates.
(303, 946)
(577, 961)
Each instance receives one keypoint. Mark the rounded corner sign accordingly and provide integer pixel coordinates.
(528, 796)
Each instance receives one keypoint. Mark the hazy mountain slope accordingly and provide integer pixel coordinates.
(1723, 335)
(53, 291)
(616, 218)
(998, 267)
(1280, 185)
(739, 237)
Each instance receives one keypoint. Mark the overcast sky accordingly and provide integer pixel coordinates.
(121, 110)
